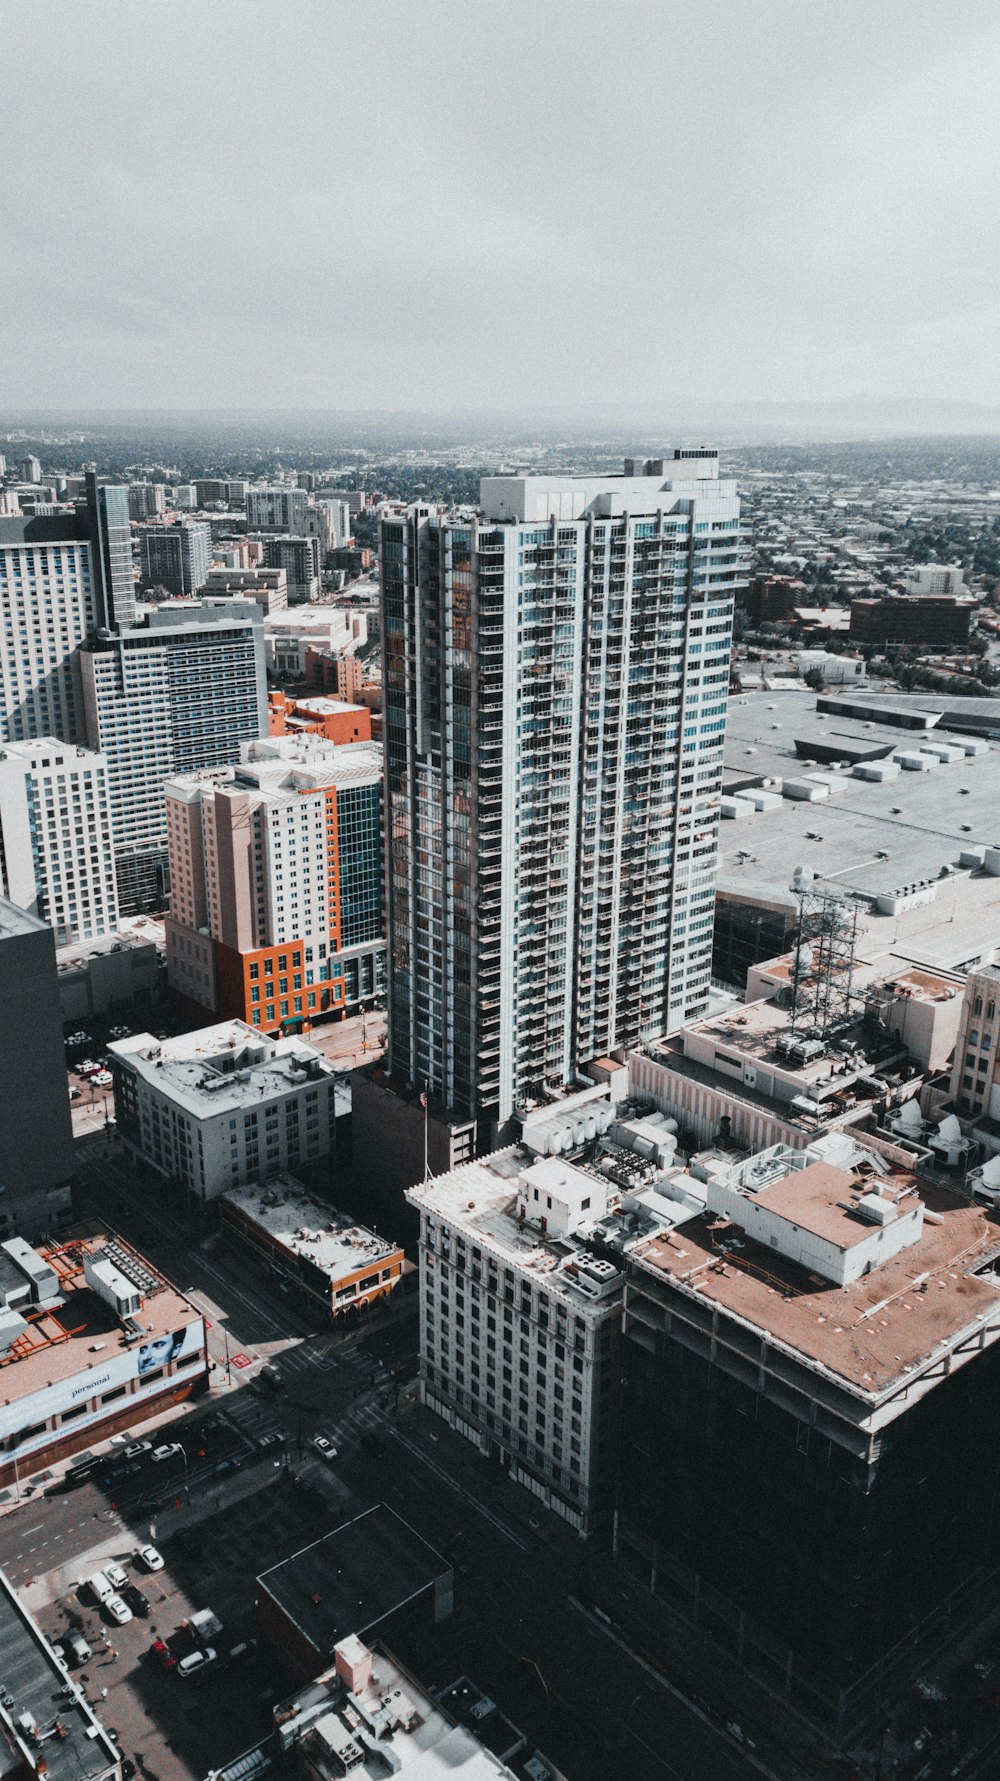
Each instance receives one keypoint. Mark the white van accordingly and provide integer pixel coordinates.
(100, 1587)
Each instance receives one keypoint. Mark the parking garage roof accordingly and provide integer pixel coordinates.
(920, 821)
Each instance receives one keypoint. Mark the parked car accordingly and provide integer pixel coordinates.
(226, 1465)
(149, 1558)
(133, 1451)
(74, 1094)
(168, 1450)
(161, 1654)
(273, 1438)
(78, 1646)
(324, 1448)
(102, 1078)
(118, 1610)
(197, 1660)
(138, 1602)
(117, 1578)
(100, 1588)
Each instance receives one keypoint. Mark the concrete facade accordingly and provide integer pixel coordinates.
(36, 1136)
(56, 857)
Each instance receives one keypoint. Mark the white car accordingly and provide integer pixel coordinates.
(168, 1450)
(116, 1577)
(99, 1587)
(103, 1079)
(190, 1665)
(149, 1558)
(119, 1612)
(136, 1449)
(324, 1448)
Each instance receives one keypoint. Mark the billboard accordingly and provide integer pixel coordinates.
(142, 1368)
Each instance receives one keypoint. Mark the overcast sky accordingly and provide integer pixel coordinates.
(460, 202)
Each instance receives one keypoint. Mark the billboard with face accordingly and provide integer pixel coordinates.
(142, 1368)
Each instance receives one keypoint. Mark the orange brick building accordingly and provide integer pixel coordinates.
(334, 719)
(336, 1266)
(276, 884)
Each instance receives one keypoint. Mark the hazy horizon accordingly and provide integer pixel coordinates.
(399, 209)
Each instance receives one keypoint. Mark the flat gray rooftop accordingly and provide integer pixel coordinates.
(37, 1685)
(917, 819)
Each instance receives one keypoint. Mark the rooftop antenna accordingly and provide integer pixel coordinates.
(823, 957)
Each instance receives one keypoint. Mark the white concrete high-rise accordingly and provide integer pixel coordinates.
(56, 857)
(556, 675)
(62, 577)
(178, 694)
(275, 509)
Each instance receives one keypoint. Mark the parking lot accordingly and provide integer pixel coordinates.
(170, 1723)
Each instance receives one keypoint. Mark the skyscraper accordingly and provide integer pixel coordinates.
(276, 510)
(176, 556)
(276, 883)
(556, 676)
(169, 697)
(300, 559)
(55, 838)
(107, 516)
(36, 1134)
(62, 578)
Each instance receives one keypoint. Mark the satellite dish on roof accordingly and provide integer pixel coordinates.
(949, 1129)
(801, 878)
(990, 1172)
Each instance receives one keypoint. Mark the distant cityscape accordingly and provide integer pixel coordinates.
(500, 1210)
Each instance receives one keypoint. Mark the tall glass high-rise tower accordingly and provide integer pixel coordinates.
(556, 675)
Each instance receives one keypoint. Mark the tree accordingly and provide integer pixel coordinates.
(814, 677)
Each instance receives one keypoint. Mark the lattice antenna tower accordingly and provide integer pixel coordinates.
(822, 980)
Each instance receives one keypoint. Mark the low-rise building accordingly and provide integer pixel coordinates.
(334, 719)
(935, 621)
(370, 1574)
(122, 972)
(810, 1368)
(935, 578)
(215, 1109)
(46, 1725)
(746, 1075)
(368, 1714)
(289, 636)
(269, 587)
(521, 1272)
(320, 1255)
(92, 1338)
